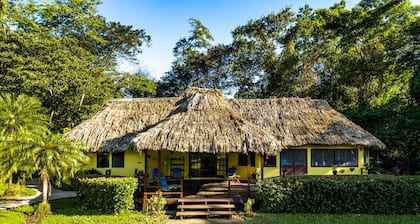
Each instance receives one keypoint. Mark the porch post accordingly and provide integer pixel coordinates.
(248, 170)
(146, 154)
(158, 173)
(262, 166)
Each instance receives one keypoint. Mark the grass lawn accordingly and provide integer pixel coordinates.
(21, 191)
(69, 211)
(333, 219)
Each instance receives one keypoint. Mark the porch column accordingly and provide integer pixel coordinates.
(158, 173)
(248, 170)
(262, 166)
(146, 154)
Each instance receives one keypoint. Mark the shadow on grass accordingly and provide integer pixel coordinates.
(72, 207)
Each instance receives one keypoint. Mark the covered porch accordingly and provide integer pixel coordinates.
(198, 175)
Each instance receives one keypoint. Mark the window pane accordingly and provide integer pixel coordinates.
(286, 157)
(365, 157)
(322, 157)
(346, 157)
(270, 161)
(118, 159)
(243, 159)
(207, 164)
(102, 160)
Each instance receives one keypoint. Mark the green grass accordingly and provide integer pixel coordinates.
(69, 211)
(21, 191)
(333, 219)
(16, 215)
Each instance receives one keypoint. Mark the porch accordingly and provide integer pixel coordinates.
(236, 191)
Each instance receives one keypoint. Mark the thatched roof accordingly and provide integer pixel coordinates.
(304, 121)
(203, 121)
(120, 118)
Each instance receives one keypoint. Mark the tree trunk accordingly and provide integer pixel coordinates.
(44, 188)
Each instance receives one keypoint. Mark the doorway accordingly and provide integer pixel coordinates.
(293, 162)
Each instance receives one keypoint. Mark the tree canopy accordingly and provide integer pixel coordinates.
(65, 53)
(363, 60)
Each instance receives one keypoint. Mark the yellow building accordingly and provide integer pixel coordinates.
(204, 135)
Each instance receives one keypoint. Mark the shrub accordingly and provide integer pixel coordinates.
(156, 204)
(379, 195)
(110, 195)
(43, 210)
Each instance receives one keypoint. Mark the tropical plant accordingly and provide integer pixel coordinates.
(56, 157)
(21, 119)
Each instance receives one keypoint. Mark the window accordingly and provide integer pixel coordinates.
(102, 160)
(339, 157)
(243, 159)
(118, 159)
(270, 161)
(365, 157)
(207, 164)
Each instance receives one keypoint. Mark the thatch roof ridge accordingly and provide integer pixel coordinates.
(279, 122)
(203, 121)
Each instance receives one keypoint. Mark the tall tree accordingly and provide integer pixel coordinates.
(64, 52)
(189, 67)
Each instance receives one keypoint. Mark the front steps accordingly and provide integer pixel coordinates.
(208, 207)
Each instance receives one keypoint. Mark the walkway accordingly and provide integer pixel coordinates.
(36, 185)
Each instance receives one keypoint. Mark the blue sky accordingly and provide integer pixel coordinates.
(167, 21)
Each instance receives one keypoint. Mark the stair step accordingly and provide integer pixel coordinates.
(203, 200)
(205, 213)
(208, 206)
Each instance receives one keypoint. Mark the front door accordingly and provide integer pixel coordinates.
(293, 162)
(208, 165)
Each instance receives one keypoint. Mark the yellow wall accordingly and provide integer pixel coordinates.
(133, 160)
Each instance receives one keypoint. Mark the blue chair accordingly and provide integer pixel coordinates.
(177, 173)
(231, 175)
(231, 171)
(163, 183)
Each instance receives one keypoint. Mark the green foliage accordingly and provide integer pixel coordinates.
(56, 158)
(19, 190)
(197, 63)
(64, 53)
(16, 215)
(42, 210)
(333, 219)
(387, 195)
(111, 195)
(21, 120)
(137, 85)
(156, 205)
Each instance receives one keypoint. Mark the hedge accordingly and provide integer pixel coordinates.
(111, 195)
(383, 195)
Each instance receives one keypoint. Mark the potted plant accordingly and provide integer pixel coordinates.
(334, 169)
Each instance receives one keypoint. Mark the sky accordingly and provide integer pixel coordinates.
(167, 21)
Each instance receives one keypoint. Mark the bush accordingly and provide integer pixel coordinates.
(110, 195)
(43, 210)
(382, 195)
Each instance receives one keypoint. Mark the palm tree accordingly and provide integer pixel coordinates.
(56, 157)
(21, 118)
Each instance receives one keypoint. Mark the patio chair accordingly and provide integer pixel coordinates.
(177, 173)
(231, 174)
(163, 183)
